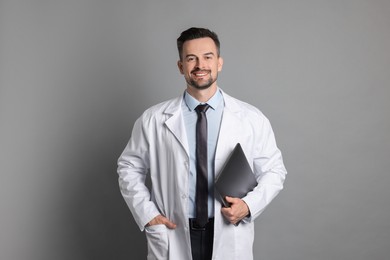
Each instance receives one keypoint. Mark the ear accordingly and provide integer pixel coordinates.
(180, 66)
(220, 64)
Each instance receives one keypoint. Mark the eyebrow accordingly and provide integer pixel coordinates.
(205, 54)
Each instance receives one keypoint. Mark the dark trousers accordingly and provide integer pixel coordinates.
(202, 240)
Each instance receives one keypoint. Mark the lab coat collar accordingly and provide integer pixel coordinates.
(175, 122)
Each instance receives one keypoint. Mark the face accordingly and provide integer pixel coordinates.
(200, 63)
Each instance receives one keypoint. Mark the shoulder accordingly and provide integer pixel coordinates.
(243, 108)
(161, 109)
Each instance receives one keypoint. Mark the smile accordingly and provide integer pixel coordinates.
(200, 73)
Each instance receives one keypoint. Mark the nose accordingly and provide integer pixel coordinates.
(200, 63)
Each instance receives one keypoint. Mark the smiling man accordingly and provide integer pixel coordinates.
(200, 63)
(183, 144)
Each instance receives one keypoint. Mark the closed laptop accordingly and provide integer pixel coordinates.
(236, 178)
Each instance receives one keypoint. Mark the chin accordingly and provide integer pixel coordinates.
(207, 85)
(202, 87)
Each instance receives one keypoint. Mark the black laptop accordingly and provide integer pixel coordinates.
(236, 178)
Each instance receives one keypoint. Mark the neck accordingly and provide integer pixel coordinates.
(202, 95)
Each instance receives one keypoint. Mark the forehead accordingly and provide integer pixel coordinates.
(199, 46)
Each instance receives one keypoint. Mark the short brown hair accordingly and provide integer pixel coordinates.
(196, 33)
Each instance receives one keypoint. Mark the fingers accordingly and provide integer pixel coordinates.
(228, 213)
(169, 224)
(237, 211)
(161, 220)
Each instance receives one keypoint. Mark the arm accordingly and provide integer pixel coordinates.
(269, 170)
(133, 165)
(270, 173)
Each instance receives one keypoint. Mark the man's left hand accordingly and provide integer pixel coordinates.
(237, 210)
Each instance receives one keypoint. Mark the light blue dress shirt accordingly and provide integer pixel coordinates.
(214, 117)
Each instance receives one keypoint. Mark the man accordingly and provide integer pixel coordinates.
(183, 147)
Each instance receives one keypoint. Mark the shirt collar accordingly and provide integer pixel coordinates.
(213, 102)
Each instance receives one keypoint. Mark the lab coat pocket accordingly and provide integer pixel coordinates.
(157, 238)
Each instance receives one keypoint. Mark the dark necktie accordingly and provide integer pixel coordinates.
(201, 196)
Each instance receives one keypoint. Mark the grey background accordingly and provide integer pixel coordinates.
(74, 75)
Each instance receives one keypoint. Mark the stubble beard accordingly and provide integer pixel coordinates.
(203, 86)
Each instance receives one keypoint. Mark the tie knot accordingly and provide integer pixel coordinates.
(202, 108)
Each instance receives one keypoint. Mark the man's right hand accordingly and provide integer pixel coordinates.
(160, 219)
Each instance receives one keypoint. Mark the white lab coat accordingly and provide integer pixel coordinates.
(159, 147)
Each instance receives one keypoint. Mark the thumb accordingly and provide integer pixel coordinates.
(229, 199)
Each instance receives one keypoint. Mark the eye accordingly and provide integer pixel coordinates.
(189, 59)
